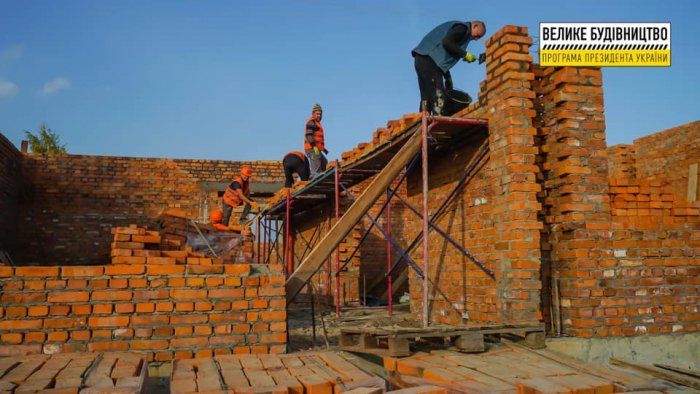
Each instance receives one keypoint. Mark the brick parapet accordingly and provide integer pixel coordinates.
(164, 311)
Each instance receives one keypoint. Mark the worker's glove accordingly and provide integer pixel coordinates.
(316, 151)
(254, 205)
(325, 150)
(469, 57)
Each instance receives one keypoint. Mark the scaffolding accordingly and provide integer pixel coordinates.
(428, 135)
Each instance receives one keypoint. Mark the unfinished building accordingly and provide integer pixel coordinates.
(535, 225)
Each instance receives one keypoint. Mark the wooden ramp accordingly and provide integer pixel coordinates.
(325, 247)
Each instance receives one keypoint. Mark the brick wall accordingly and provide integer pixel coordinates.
(165, 311)
(621, 161)
(10, 185)
(666, 155)
(74, 200)
(649, 282)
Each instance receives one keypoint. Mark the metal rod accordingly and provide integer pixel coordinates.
(381, 230)
(449, 239)
(364, 289)
(361, 171)
(557, 311)
(313, 315)
(328, 262)
(447, 119)
(288, 262)
(381, 210)
(337, 249)
(257, 238)
(388, 249)
(204, 238)
(426, 274)
(444, 204)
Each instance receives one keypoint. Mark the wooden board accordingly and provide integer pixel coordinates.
(364, 202)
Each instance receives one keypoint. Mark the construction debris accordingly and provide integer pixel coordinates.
(180, 241)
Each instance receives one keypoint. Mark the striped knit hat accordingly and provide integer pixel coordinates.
(318, 108)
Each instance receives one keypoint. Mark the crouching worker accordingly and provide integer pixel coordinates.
(237, 193)
(216, 217)
(295, 163)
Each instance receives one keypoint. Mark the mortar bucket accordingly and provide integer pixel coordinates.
(460, 100)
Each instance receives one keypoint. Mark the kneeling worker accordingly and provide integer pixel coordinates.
(237, 193)
(295, 162)
(216, 217)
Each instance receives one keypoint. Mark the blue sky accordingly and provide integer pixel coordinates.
(236, 80)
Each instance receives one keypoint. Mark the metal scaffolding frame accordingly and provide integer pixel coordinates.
(328, 186)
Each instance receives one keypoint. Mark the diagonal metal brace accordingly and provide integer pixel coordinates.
(449, 239)
(388, 238)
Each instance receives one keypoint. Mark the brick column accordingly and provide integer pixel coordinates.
(516, 255)
(577, 202)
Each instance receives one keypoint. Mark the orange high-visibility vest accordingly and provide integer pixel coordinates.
(231, 197)
(220, 226)
(318, 135)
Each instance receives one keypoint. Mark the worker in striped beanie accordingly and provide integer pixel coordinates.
(315, 143)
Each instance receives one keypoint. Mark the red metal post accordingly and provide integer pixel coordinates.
(426, 275)
(337, 250)
(257, 238)
(287, 244)
(328, 262)
(388, 247)
(266, 230)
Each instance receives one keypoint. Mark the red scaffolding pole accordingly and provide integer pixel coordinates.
(425, 216)
(337, 249)
(388, 246)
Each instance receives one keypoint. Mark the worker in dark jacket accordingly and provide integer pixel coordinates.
(237, 193)
(295, 163)
(436, 54)
(315, 142)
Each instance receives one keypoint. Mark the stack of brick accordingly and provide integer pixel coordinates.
(324, 372)
(504, 371)
(69, 373)
(139, 245)
(380, 136)
(281, 195)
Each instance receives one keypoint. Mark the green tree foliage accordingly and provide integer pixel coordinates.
(46, 142)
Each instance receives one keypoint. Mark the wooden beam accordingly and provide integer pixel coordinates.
(693, 182)
(396, 284)
(660, 373)
(342, 227)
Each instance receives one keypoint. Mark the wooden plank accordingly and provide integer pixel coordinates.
(325, 247)
(660, 373)
(679, 370)
(693, 182)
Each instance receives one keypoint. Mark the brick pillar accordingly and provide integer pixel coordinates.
(577, 202)
(516, 255)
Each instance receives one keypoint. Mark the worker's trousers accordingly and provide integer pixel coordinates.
(227, 209)
(317, 163)
(294, 164)
(432, 86)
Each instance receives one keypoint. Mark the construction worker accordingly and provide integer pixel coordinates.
(314, 143)
(436, 54)
(236, 193)
(216, 217)
(295, 162)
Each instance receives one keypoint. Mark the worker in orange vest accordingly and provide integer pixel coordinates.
(314, 142)
(238, 192)
(216, 217)
(295, 163)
